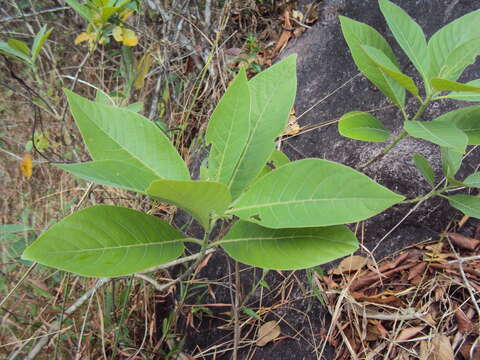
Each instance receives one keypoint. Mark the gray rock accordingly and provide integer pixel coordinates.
(327, 71)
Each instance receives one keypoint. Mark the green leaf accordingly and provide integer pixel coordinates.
(106, 241)
(82, 10)
(357, 34)
(277, 159)
(112, 133)
(39, 40)
(387, 66)
(102, 97)
(450, 37)
(451, 162)
(228, 129)
(438, 132)
(8, 50)
(448, 85)
(466, 95)
(272, 93)
(362, 126)
(462, 56)
(467, 204)
(473, 180)
(20, 46)
(310, 193)
(136, 107)
(423, 166)
(467, 120)
(201, 199)
(287, 249)
(408, 34)
(113, 173)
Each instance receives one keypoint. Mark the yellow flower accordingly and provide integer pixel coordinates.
(26, 166)
(125, 36)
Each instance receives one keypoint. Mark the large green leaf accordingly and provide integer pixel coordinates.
(112, 133)
(449, 85)
(408, 34)
(438, 132)
(277, 159)
(460, 57)
(387, 66)
(105, 241)
(228, 129)
(82, 10)
(473, 180)
(451, 162)
(362, 126)
(467, 120)
(423, 166)
(310, 193)
(202, 199)
(443, 43)
(113, 173)
(466, 95)
(357, 34)
(467, 204)
(287, 249)
(272, 93)
(39, 40)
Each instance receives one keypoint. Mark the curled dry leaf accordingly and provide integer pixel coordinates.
(351, 263)
(408, 333)
(463, 241)
(464, 323)
(293, 127)
(268, 332)
(417, 270)
(442, 349)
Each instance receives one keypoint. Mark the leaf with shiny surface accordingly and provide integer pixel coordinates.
(310, 193)
(362, 126)
(106, 241)
(287, 249)
(467, 120)
(466, 95)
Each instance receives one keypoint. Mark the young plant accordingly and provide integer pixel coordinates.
(20, 50)
(290, 217)
(440, 62)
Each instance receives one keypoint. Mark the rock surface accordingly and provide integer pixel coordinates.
(329, 85)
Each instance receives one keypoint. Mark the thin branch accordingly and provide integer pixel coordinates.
(18, 17)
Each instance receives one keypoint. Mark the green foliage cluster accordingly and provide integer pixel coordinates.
(292, 216)
(440, 62)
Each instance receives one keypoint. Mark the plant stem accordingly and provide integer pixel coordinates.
(423, 197)
(236, 310)
(395, 141)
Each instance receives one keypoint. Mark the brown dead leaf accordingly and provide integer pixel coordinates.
(408, 333)
(286, 33)
(442, 349)
(464, 323)
(268, 332)
(293, 127)
(416, 270)
(463, 241)
(425, 349)
(351, 263)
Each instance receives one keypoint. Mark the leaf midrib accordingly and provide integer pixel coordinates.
(120, 146)
(278, 203)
